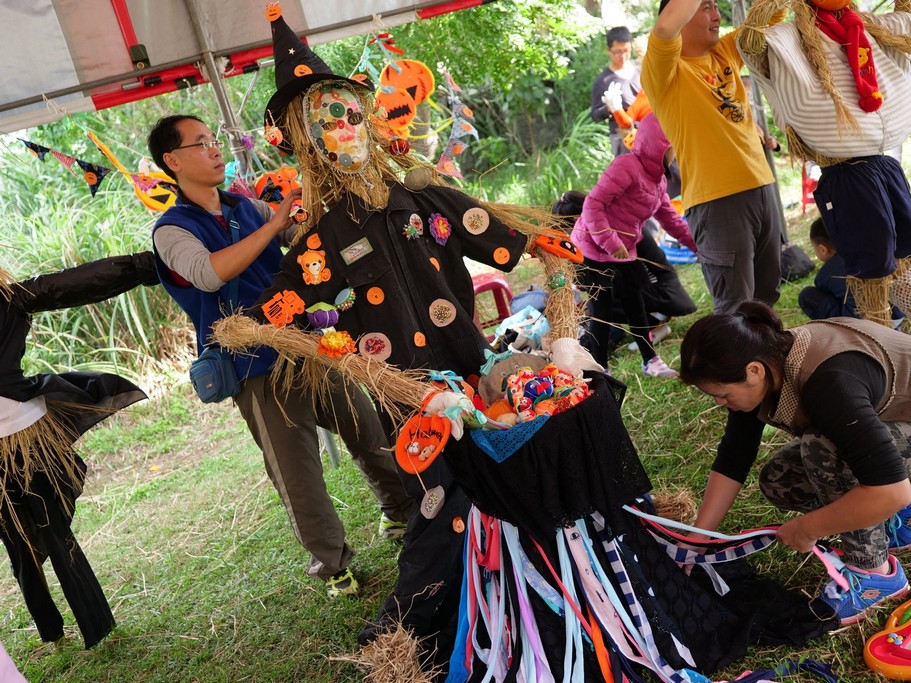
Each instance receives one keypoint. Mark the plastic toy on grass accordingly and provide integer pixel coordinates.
(889, 651)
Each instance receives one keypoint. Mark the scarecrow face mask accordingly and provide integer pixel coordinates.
(337, 127)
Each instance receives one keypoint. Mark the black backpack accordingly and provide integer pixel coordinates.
(795, 264)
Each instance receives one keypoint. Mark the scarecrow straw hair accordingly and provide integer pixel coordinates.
(6, 285)
(392, 657)
(392, 387)
(324, 184)
(752, 41)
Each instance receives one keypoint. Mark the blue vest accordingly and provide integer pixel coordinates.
(205, 308)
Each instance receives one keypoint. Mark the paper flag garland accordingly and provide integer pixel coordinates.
(93, 174)
(462, 127)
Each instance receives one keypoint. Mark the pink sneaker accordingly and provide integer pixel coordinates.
(657, 368)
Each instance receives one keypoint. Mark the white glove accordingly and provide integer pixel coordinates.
(568, 354)
(612, 97)
(450, 404)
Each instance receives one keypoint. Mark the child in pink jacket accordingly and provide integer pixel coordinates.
(630, 191)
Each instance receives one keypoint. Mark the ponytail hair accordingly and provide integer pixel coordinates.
(719, 347)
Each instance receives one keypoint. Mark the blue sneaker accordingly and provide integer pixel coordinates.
(865, 589)
(898, 527)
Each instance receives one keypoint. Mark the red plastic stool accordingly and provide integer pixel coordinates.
(807, 185)
(497, 285)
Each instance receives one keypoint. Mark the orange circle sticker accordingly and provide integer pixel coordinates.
(458, 525)
(419, 339)
(501, 255)
(375, 345)
(314, 242)
(376, 296)
(434, 262)
(90, 178)
(442, 312)
(302, 70)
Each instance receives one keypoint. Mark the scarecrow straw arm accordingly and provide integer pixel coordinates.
(762, 14)
(903, 5)
(390, 386)
(560, 309)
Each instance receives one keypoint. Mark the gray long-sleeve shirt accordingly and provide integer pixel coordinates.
(184, 254)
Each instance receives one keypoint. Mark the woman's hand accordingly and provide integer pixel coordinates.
(794, 535)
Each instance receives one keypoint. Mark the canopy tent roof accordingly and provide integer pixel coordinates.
(84, 55)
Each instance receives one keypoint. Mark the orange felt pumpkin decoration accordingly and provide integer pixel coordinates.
(411, 76)
(273, 11)
(421, 440)
(399, 106)
(283, 180)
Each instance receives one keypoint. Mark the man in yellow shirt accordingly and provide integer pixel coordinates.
(691, 77)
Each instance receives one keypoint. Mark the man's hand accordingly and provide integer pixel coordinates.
(281, 221)
(612, 97)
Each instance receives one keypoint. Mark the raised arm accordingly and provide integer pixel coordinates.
(675, 16)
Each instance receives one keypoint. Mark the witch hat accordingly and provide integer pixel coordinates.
(297, 67)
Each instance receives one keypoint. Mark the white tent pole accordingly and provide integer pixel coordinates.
(241, 154)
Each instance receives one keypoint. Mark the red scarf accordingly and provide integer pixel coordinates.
(846, 28)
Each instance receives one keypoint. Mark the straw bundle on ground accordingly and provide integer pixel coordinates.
(393, 657)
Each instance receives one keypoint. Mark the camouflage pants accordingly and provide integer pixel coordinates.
(808, 474)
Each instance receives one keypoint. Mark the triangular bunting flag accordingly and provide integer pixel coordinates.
(37, 150)
(93, 174)
(65, 159)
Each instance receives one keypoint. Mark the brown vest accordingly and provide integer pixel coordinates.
(818, 341)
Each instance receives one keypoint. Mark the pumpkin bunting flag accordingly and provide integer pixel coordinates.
(462, 127)
(93, 174)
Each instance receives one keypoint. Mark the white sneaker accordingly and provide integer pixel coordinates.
(657, 368)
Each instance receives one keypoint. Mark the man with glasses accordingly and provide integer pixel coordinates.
(623, 71)
(197, 259)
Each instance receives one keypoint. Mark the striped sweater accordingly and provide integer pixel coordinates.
(798, 100)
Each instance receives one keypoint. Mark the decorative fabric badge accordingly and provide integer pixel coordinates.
(440, 228)
(375, 345)
(313, 263)
(322, 315)
(414, 228)
(336, 344)
(356, 251)
(442, 312)
(476, 220)
(376, 295)
(281, 308)
(432, 502)
(345, 299)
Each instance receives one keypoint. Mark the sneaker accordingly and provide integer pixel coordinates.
(865, 590)
(898, 527)
(342, 583)
(657, 368)
(660, 332)
(391, 529)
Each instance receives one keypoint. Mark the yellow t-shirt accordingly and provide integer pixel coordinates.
(705, 113)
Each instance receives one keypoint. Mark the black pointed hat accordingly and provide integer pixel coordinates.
(297, 67)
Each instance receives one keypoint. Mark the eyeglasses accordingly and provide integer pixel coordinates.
(205, 144)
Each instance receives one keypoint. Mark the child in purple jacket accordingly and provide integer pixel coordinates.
(630, 191)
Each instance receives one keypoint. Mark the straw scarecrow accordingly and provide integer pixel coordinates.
(839, 83)
(41, 416)
(379, 268)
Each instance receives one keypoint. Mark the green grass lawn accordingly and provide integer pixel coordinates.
(208, 584)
